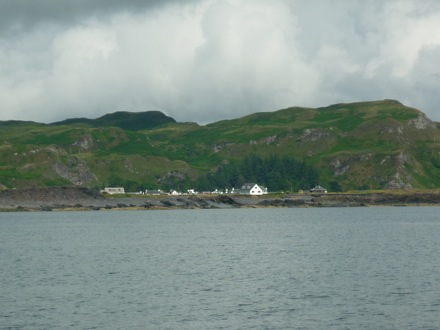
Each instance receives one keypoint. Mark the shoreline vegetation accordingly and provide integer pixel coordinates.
(85, 199)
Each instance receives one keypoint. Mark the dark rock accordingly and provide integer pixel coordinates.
(224, 199)
(167, 203)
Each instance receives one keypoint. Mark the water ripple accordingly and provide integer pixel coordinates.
(369, 268)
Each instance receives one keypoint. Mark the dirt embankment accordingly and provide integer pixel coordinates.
(49, 198)
(407, 198)
(69, 198)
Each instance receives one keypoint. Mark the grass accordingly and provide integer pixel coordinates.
(189, 147)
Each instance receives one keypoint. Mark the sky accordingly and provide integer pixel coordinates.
(208, 60)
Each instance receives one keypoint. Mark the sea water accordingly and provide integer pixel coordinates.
(317, 268)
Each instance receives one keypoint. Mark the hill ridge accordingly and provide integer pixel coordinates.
(354, 146)
(123, 119)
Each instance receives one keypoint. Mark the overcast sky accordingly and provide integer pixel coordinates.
(207, 60)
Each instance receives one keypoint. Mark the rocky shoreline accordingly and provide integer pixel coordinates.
(71, 198)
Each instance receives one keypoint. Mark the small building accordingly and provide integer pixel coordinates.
(154, 192)
(114, 190)
(251, 189)
(318, 189)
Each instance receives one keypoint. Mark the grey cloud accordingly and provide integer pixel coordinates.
(26, 14)
(207, 60)
(423, 91)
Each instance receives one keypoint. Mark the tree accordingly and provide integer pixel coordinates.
(276, 173)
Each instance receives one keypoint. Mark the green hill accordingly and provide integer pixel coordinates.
(367, 145)
(134, 121)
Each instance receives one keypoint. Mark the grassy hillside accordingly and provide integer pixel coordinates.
(127, 120)
(368, 145)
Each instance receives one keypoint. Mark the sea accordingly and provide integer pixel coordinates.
(278, 268)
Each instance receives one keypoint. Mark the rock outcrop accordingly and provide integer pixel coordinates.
(67, 198)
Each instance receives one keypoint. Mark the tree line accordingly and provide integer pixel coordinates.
(276, 173)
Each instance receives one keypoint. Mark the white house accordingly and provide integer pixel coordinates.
(114, 190)
(319, 189)
(251, 189)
